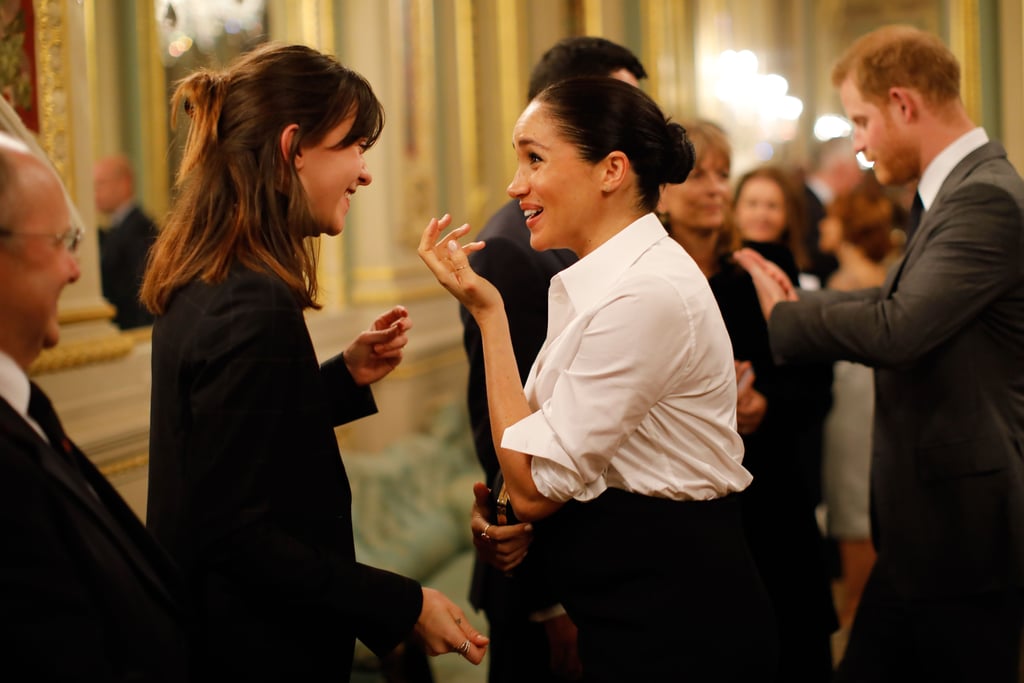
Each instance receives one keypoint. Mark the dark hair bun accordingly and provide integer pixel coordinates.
(680, 156)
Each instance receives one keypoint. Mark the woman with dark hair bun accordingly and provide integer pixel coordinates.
(622, 448)
(247, 490)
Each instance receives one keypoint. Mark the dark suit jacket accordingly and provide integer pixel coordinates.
(123, 252)
(945, 334)
(522, 276)
(85, 592)
(248, 492)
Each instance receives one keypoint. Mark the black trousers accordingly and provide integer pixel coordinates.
(962, 639)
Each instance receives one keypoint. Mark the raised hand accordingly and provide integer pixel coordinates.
(449, 262)
(378, 351)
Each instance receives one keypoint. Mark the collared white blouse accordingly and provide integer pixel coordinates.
(635, 386)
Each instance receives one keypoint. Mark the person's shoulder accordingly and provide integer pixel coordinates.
(664, 274)
(249, 309)
(1002, 177)
(139, 220)
(243, 291)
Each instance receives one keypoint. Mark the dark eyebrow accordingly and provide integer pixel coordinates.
(523, 142)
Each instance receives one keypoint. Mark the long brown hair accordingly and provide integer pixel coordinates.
(710, 139)
(868, 218)
(793, 233)
(237, 198)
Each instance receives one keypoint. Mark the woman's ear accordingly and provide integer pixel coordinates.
(286, 141)
(613, 171)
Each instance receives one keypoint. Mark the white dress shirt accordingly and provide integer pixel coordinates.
(635, 386)
(944, 163)
(15, 389)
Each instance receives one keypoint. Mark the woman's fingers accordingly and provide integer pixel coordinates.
(444, 255)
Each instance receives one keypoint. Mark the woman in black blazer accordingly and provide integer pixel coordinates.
(247, 489)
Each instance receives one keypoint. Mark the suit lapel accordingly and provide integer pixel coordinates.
(94, 502)
(932, 216)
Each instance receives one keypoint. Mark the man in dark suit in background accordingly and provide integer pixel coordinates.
(834, 171)
(527, 644)
(86, 594)
(125, 244)
(945, 334)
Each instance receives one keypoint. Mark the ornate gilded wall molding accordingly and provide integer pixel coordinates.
(51, 56)
(964, 41)
(86, 314)
(75, 354)
(120, 466)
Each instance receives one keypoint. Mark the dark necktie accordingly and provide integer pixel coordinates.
(916, 211)
(41, 410)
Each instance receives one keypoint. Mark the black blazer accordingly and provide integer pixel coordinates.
(945, 334)
(248, 492)
(85, 592)
(123, 252)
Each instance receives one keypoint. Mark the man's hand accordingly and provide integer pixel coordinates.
(770, 281)
(502, 547)
(378, 351)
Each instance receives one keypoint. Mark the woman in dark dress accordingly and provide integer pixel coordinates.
(772, 403)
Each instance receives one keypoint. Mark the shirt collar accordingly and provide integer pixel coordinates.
(588, 279)
(14, 384)
(944, 163)
(121, 212)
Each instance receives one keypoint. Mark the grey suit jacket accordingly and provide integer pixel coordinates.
(945, 334)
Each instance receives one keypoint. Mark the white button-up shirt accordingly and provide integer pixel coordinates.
(16, 390)
(944, 163)
(635, 386)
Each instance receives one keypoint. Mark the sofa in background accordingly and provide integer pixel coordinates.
(410, 510)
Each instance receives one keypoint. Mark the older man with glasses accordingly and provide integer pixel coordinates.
(86, 593)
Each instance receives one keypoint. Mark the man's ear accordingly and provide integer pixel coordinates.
(905, 102)
(286, 141)
(613, 171)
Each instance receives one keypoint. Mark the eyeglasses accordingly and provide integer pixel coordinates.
(70, 238)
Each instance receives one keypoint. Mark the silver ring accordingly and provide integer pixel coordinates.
(463, 649)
